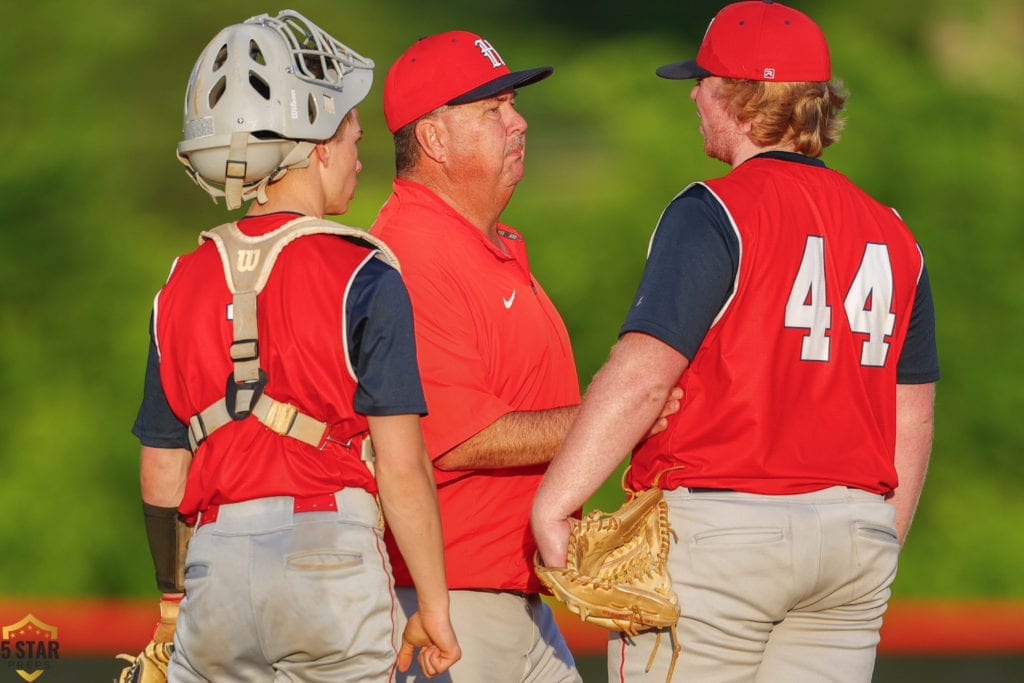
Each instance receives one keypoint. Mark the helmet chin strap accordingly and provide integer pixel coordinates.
(298, 157)
(234, 169)
(235, 190)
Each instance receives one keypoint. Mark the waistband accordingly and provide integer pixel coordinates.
(837, 494)
(353, 505)
(499, 591)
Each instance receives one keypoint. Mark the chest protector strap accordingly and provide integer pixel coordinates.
(247, 265)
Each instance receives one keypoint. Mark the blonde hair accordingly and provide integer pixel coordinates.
(806, 116)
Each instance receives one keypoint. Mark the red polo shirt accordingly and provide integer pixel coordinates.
(489, 342)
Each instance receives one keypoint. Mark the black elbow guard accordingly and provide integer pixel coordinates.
(168, 539)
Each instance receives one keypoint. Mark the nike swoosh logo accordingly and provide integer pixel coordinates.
(508, 301)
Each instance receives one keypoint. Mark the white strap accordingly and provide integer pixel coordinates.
(235, 169)
(282, 418)
(247, 264)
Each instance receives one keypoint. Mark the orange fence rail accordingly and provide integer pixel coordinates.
(910, 627)
(99, 627)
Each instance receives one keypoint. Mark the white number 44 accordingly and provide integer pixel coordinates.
(868, 303)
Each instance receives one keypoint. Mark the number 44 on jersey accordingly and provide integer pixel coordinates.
(868, 303)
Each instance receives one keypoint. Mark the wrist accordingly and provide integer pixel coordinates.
(163, 632)
(169, 607)
(439, 604)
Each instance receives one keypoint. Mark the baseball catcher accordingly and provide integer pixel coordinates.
(616, 573)
(262, 394)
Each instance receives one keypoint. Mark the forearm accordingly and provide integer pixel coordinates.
(162, 475)
(915, 424)
(408, 495)
(516, 439)
(625, 398)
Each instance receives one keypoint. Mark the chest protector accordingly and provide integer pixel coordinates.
(248, 262)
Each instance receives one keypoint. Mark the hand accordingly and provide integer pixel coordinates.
(552, 538)
(164, 631)
(672, 404)
(433, 634)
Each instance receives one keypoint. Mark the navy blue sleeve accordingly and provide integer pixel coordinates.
(689, 275)
(919, 359)
(382, 343)
(155, 424)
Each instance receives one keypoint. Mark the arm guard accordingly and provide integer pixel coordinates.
(168, 538)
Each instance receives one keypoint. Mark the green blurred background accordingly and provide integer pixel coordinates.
(94, 207)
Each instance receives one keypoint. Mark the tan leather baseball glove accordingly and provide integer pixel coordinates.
(150, 665)
(616, 573)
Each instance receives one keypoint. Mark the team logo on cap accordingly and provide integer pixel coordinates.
(769, 74)
(487, 51)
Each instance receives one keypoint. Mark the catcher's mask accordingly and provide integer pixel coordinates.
(261, 94)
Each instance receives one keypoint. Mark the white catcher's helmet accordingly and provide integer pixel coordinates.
(261, 94)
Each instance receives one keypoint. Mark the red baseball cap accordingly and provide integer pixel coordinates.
(758, 40)
(448, 68)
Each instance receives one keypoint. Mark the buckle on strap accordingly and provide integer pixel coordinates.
(240, 397)
(196, 431)
(244, 350)
(206, 422)
(235, 168)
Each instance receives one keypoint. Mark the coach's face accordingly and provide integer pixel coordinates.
(486, 143)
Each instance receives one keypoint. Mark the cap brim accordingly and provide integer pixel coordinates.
(682, 70)
(510, 81)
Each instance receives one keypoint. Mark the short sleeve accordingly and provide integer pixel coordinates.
(919, 360)
(689, 275)
(382, 344)
(155, 424)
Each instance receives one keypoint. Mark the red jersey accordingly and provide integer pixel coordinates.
(793, 387)
(302, 301)
(489, 342)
